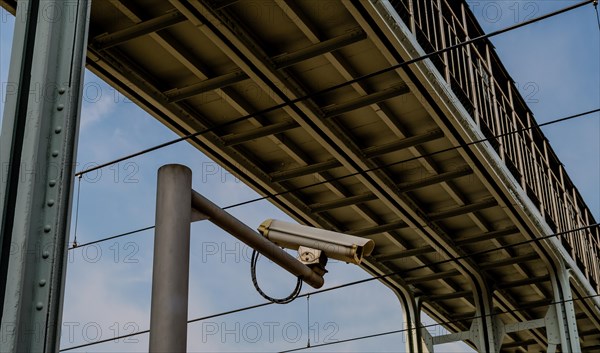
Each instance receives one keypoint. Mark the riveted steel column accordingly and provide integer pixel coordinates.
(564, 312)
(37, 154)
(485, 329)
(170, 274)
(416, 337)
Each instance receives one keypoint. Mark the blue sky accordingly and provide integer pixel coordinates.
(555, 64)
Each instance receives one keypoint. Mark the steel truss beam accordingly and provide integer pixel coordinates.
(268, 130)
(348, 201)
(435, 216)
(404, 187)
(326, 133)
(38, 143)
(399, 224)
(112, 64)
(487, 236)
(408, 142)
(429, 249)
(346, 70)
(522, 282)
(406, 253)
(106, 41)
(9, 5)
(178, 94)
(431, 277)
(280, 61)
(435, 179)
(383, 16)
(234, 139)
(364, 101)
(461, 210)
(318, 167)
(455, 295)
(509, 261)
(353, 36)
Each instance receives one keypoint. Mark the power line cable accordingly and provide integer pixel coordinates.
(79, 174)
(111, 237)
(321, 92)
(367, 170)
(345, 340)
(529, 306)
(597, 15)
(345, 285)
(362, 172)
(436, 324)
(335, 87)
(342, 341)
(308, 320)
(77, 211)
(454, 259)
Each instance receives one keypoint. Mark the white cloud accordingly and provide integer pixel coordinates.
(94, 111)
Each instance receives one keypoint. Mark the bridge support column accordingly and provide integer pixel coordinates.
(486, 331)
(37, 155)
(416, 337)
(564, 310)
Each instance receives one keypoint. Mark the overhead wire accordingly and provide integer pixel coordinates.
(555, 121)
(597, 14)
(491, 34)
(77, 211)
(335, 87)
(338, 341)
(350, 284)
(290, 102)
(364, 171)
(409, 329)
(76, 246)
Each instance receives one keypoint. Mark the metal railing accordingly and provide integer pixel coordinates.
(485, 89)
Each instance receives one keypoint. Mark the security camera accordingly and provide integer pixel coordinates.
(334, 245)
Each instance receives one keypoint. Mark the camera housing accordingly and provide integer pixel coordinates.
(334, 245)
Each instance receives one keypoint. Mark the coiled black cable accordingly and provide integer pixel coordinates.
(290, 298)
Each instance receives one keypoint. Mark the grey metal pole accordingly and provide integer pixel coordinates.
(253, 239)
(170, 274)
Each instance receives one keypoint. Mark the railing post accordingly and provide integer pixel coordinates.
(446, 72)
(471, 63)
(495, 126)
(170, 273)
(517, 124)
(411, 10)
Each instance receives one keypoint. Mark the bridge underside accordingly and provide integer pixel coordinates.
(197, 64)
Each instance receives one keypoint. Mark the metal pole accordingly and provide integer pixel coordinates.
(170, 274)
(251, 237)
